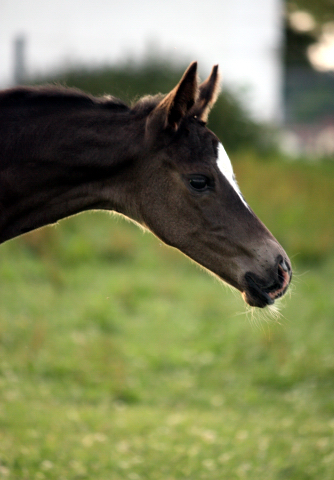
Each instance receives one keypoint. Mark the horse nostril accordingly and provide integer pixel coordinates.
(284, 272)
(285, 267)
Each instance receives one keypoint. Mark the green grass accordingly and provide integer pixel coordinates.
(120, 359)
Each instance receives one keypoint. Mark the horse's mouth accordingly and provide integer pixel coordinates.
(260, 294)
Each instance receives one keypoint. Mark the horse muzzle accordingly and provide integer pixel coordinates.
(261, 292)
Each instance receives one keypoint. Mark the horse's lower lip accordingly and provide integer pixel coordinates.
(260, 300)
(259, 296)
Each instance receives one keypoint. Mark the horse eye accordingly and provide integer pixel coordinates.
(199, 182)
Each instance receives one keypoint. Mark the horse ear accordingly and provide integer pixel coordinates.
(180, 100)
(208, 93)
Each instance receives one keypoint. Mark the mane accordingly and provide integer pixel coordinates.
(59, 97)
(146, 104)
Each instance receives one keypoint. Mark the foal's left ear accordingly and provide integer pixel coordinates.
(179, 101)
(208, 93)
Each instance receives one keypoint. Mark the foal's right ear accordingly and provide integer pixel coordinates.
(178, 102)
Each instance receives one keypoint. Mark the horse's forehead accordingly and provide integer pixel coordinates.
(194, 146)
(199, 139)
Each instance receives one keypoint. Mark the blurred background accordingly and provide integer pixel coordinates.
(118, 357)
(278, 55)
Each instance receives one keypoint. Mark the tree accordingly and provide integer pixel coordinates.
(322, 11)
(300, 35)
(308, 92)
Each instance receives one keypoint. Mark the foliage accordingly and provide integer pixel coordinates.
(119, 359)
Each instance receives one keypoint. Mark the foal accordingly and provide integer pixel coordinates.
(63, 152)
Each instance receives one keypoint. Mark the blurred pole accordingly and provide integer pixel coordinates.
(19, 60)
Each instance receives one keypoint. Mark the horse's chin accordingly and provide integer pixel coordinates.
(260, 301)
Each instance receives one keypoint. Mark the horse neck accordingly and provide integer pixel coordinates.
(63, 164)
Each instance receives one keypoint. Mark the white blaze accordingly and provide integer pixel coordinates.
(225, 166)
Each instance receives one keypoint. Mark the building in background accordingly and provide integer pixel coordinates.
(19, 60)
(250, 53)
(308, 89)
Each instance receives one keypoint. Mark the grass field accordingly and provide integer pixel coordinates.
(120, 359)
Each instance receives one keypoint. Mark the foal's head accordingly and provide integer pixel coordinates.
(188, 195)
